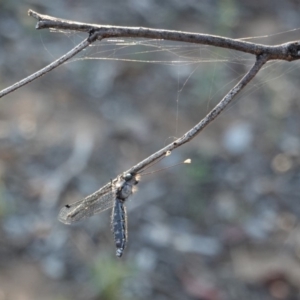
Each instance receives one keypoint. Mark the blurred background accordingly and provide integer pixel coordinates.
(224, 227)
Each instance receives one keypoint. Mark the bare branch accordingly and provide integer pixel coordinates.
(50, 67)
(288, 51)
(188, 136)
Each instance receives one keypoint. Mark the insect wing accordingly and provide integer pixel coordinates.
(93, 204)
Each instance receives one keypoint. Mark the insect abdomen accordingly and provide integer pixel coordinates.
(119, 226)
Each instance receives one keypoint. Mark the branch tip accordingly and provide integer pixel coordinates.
(293, 51)
(33, 14)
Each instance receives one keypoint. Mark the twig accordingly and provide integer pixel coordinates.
(260, 61)
(85, 43)
(288, 51)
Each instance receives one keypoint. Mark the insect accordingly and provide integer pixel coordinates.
(112, 195)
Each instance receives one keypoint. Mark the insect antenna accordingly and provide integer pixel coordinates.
(187, 161)
(168, 153)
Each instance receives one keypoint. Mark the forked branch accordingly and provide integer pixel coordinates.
(288, 51)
